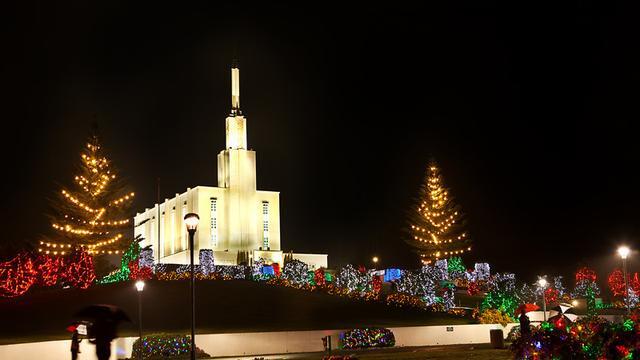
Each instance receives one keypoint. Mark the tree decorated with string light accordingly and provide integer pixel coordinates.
(93, 214)
(437, 230)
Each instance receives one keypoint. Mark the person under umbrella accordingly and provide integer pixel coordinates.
(525, 323)
(103, 330)
(75, 345)
(525, 328)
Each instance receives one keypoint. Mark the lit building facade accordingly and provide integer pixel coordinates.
(237, 221)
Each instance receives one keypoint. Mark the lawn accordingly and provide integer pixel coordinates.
(478, 352)
(221, 306)
(450, 352)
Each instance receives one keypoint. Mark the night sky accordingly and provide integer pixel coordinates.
(530, 113)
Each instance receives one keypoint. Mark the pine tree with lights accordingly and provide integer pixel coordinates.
(93, 214)
(437, 230)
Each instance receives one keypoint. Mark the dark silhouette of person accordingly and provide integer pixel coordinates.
(75, 345)
(103, 331)
(524, 323)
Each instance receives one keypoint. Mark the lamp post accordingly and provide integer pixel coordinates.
(139, 288)
(375, 260)
(624, 251)
(542, 282)
(191, 221)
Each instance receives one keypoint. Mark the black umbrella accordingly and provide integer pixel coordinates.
(103, 311)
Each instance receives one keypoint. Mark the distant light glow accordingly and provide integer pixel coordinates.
(139, 285)
(623, 251)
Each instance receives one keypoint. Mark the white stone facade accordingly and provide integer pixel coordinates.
(235, 217)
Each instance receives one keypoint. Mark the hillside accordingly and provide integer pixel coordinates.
(221, 306)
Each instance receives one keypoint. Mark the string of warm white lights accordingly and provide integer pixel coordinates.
(122, 199)
(77, 202)
(436, 232)
(105, 242)
(62, 249)
(89, 222)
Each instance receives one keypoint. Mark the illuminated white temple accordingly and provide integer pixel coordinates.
(237, 221)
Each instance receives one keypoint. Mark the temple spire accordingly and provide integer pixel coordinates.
(235, 89)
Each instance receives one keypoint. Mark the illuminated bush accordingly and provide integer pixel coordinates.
(367, 338)
(163, 346)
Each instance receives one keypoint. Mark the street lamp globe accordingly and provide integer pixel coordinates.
(623, 251)
(375, 259)
(139, 285)
(191, 221)
(542, 282)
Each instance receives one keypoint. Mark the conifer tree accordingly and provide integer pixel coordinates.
(93, 214)
(437, 230)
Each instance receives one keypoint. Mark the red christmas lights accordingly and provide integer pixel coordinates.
(139, 273)
(551, 295)
(376, 284)
(50, 269)
(473, 288)
(80, 271)
(319, 277)
(17, 275)
(616, 283)
(586, 274)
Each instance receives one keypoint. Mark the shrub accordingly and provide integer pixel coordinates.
(492, 316)
(367, 338)
(163, 346)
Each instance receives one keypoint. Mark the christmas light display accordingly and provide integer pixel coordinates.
(587, 338)
(473, 288)
(392, 274)
(50, 269)
(422, 284)
(448, 297)
(145, 259)
(296, 272)
(237, 272)
(456, 268)
(616, 282)
(442, 269)
(136, 272)
(403, 300)
(131, 261)
(502, 294)
(527, 294)
(482, 271)
(163, 346)
(348, 278)
(17, 275)
(267, 271)
(586, 288)
(632, 299)
(635, 283)
(551, 295)
(93, 215)
(559, 286)
(470, 275)
(319, 277)
(376, 285)
(436, 230)
(256, 269)
(80, 272)
(367, 338)
(160, 268)
(206, 261)
(494, 316)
